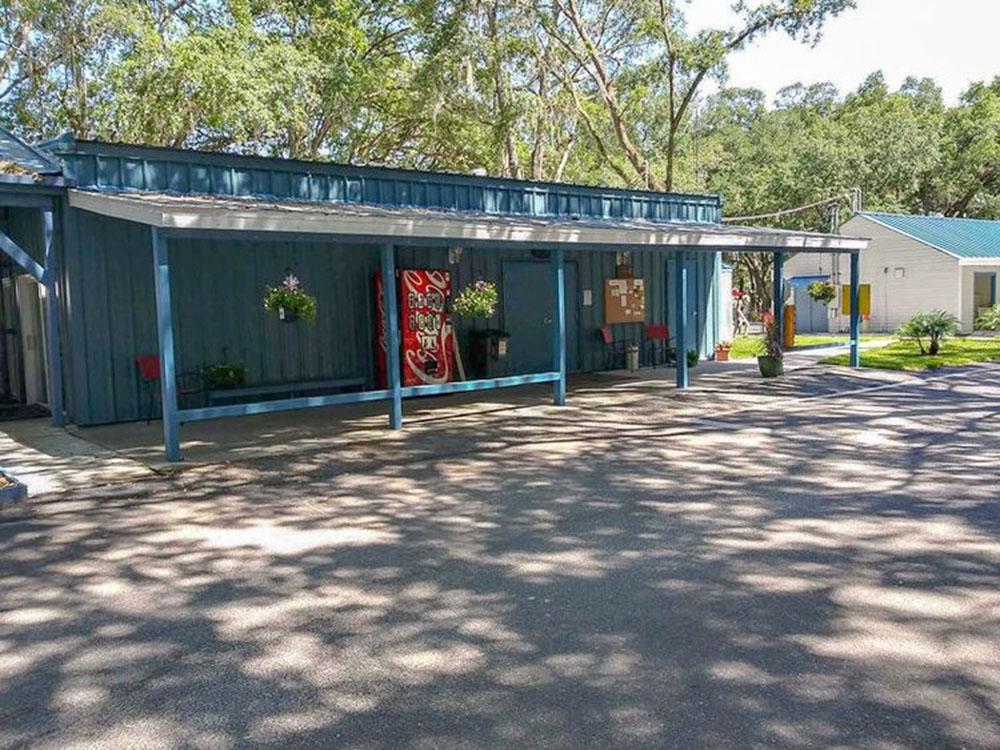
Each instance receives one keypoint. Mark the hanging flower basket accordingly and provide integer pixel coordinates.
(822, 291)
(290, 302)
(478, 300)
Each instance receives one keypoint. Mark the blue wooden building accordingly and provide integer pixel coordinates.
(152, 251)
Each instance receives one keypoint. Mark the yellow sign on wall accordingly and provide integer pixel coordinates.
(864, 300)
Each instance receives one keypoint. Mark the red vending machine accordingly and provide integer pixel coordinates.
(427, 354)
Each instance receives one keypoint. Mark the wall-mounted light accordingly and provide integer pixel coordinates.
(454, 255)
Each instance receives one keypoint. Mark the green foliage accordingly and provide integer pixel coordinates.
(597, 91)
(989, 320)
(822, 291)
(934, 327)
(220, 376)
(693, 358)
(290, 301)
(478, 300)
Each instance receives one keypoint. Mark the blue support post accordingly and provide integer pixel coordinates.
(779, 296)
(855, 311)
(19, 256)
(559, 326)
(53, 329)
(392, 336)
(165, 330)
(681, 287)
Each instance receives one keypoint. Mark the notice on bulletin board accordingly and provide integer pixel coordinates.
(624, 301)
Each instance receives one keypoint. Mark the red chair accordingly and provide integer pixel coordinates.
(148, 371)
(613, 350)
(656, 338)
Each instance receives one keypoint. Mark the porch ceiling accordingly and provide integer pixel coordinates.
(353, 220)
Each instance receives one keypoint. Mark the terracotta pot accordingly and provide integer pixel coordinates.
(722, 355)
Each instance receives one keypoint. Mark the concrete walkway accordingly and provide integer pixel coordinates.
(48, 459)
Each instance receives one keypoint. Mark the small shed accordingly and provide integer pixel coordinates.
(914, 264)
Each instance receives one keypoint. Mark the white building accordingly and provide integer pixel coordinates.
(914, 264)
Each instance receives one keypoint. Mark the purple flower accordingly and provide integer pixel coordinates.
(291, 282)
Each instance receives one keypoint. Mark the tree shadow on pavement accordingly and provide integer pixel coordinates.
(821, 574)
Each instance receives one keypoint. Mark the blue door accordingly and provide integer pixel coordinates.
(528, 309)
(810, 316)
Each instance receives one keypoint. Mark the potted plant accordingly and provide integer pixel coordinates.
(222, 377)
(822, 291)
(11, 490)
(289, 301)
(486, 345)
(772, 361)
(722, 350)
(693, 357)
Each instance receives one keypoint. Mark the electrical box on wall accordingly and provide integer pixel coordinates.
(588, 297)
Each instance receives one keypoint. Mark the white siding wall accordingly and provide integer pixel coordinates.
(930, 277)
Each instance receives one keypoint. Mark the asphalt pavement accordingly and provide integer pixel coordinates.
(814, 563)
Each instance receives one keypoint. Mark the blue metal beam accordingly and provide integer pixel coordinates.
(680, 334)
(392, 336)
(53, 329)
(284, 404)
(461, 386)
(855, 311)
(558, 260)
(26, 200)
(339, 399)
(778, 296)
(23, 259)
(718, 304)
(165, 329)
(360, 241)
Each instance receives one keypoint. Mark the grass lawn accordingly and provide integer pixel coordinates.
(905, 355)
(745, 347)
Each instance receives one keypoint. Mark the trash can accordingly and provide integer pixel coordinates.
(632, 357)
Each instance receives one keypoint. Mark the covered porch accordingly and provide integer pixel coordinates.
(178, 223)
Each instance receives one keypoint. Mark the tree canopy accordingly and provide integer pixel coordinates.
(594, 91)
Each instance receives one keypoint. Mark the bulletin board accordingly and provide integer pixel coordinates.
(624, 301)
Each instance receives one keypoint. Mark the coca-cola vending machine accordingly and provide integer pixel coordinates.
(427, 351)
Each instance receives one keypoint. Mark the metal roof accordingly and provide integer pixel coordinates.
(363, 221)
(25, 157)
(114, 167)
(962, 238)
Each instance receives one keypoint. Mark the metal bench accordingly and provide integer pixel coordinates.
(280, 390)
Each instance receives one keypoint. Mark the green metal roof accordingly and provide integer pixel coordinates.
(964, 238)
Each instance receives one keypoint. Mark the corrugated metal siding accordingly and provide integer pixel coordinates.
(218, 287)
(100, 166)
(592, 270)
